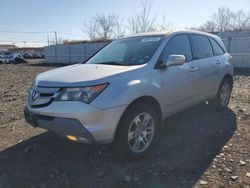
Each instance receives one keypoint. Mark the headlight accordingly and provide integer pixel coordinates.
(83, 94)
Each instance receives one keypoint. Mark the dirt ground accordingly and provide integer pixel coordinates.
(200, 147)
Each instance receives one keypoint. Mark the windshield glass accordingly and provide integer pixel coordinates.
(128, 51)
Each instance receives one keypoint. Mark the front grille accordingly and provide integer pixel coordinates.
(42, 96)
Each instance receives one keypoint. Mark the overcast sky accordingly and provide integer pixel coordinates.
(68, 15)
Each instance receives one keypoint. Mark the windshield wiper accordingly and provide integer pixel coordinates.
(110, 63)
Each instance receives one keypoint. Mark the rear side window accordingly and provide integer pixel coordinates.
(216, 47)
(201, 47)
(178, 45)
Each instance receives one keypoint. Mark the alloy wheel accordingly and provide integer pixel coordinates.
(141, 132)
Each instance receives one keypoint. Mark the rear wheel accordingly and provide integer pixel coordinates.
(222, 98)
(137, 130)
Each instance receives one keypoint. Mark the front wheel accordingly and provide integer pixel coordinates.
(137, 130)
(222, 98)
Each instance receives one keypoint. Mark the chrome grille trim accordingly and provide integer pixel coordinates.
(42, 96)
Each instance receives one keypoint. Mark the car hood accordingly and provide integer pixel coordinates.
(80, 74)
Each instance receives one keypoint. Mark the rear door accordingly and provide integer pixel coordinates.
(203, 53)
(218, 63)
(181, 83)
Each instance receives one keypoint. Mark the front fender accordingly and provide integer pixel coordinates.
(124, 91)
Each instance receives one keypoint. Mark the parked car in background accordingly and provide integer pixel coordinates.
(5, 57)
(33, 55)
(9, 58)
(27, 55)
(124, 92)
(36, 56)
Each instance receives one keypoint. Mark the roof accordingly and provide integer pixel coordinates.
(167, 33)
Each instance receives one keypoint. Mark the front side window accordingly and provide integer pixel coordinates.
(216, 47)
(178, 45)
(128, 51)
(201, 47)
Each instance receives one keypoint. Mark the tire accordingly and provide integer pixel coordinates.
(137, 131)
(222, 98)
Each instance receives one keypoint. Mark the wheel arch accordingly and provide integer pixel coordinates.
(143, 100)
(228, 77)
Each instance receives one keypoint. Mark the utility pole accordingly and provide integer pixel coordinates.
(56, 47)
(56, 37)
(48, 39)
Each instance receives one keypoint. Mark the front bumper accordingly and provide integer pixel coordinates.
(62, 126)
(88, 124)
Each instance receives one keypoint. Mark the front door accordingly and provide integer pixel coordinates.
(181, 83)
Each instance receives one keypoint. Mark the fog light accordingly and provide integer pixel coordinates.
(71, 137)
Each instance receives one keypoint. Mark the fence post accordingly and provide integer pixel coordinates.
(69, 54)
(229, 43)
(84, 52)
(55, 46)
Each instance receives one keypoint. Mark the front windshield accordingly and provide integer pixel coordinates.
(128, 51)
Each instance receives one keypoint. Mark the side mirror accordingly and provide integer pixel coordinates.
(175, 60)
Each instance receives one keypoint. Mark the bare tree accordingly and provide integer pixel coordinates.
(240, 20)
(105, 24)
(222, 18)
(225, 19)
(90, 28)
(119, 29)
(164, 25)
(208, 26)
(142, 21)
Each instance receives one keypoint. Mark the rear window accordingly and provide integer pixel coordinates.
(216, 47)
(201, 47)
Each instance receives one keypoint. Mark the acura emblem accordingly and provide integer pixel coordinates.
(34, 94)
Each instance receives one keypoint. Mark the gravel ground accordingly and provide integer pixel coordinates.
(200, 147)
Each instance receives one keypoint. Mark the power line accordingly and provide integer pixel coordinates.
(25, 32)
(38, 32)
(39, 42)
(22, 41)
(63, 33)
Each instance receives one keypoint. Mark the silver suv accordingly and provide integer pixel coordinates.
(124, 92)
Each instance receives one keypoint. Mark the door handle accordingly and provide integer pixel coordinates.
(218, 62)
(193, 69)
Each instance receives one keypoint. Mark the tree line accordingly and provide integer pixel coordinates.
(110, 26)
(225, 19)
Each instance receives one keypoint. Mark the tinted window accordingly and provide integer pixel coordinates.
(216, 47)
(201, 47)
(178, 45)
